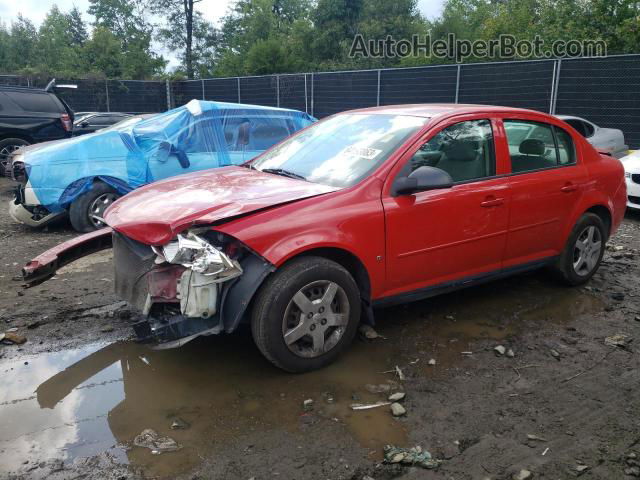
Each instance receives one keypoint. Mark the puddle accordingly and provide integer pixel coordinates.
(82, 402)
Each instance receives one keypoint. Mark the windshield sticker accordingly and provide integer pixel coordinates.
(362, 152)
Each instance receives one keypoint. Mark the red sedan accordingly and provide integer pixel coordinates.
(366, 208)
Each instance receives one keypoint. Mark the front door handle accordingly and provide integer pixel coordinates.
(492, 202)
(569, 187)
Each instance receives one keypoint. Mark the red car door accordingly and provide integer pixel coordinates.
(438, 236)
(546, 183)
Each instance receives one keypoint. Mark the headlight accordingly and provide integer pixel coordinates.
(17, 169)
(194, 252)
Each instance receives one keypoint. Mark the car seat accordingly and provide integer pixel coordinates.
(531, 156)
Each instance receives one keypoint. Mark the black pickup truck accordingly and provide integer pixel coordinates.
(31, 115)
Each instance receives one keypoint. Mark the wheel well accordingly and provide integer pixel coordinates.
(350, 262)
(604, 214)
(17, 135)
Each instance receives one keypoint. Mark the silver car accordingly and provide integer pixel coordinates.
(609, 140)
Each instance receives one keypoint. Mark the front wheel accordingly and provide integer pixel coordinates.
(87, 211)
(306, 314)
(583, 253)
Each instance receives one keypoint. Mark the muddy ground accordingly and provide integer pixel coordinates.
(76, 394)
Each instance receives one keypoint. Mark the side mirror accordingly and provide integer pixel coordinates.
(163, 152)
(84, 124)
(422, 179)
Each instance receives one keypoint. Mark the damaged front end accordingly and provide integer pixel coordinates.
(200, 283)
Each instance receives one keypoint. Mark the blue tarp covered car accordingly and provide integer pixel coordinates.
(82, 176)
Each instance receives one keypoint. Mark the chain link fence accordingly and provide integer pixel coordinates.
(603, 90)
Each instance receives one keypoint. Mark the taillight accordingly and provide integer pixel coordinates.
(66, 122)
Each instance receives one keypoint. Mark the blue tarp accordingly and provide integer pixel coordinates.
(196, 136)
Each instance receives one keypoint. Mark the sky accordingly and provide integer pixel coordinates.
(212, 10)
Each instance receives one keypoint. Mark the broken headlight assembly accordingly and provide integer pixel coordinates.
(206, 267)
(195, 253)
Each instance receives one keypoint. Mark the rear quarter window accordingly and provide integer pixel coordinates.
(36, 102)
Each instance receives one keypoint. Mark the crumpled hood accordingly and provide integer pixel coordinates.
(156, 213)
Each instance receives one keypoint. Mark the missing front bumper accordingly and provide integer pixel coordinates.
(155, 290)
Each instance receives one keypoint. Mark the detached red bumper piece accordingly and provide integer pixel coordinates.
(45, 265)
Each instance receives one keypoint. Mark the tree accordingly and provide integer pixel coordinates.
(104, 53)
(181, 23)
(126, 20)
(22, 51)
(56, 52)
(77, 27)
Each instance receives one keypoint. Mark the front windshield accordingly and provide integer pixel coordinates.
(340, 151)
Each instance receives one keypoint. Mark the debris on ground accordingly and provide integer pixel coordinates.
(308, 404)
(621, 340)
(400, 373)
(382, 388)
(107, 329)
(500, 350)
(432, 362)
(369, 333)
(632, 471)
(150, 439)
(580, 469)
(13, 338)
(179, 424)
(368, 406)
(397, 410)
(396, 397)
(410, 456)
(554, 353)
(510, 353)
(536, 438)
(523, 475)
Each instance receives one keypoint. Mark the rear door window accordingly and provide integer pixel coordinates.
(536, 146)
(531, 145)
(566, 149)
(36, 102)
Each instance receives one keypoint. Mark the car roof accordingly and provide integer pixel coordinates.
(14, 88)
(429, 110)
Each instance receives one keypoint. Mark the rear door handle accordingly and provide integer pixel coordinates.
(569, 187)
(492, 202)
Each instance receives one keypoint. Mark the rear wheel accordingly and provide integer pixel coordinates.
(87, 211)
(7, 147)
(306, 314)
(584, 250)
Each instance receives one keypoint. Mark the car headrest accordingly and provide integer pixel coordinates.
(462, 150)
(532, 146)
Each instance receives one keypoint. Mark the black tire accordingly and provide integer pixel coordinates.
(565, 265)
(274, 299)
(80, 212)
(7, 147)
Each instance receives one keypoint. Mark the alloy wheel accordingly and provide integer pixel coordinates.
(315, 319)
(98, 207)
(5, 153)
(586, 251)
